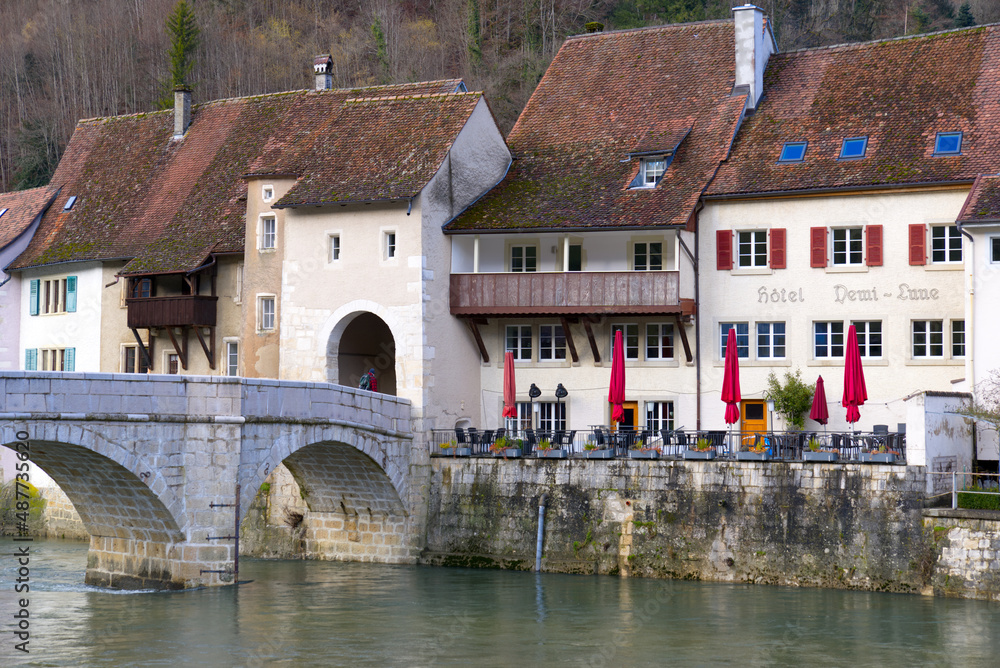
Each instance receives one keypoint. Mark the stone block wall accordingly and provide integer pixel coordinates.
(834, 525)
(61, 518)
(968, 549)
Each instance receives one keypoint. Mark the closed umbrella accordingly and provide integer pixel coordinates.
(731, 383)
(819, 411)
(855, 392)
(509, 388)
(616, 393)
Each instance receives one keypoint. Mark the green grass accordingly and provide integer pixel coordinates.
(978, 501)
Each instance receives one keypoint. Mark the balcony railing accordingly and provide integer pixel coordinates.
(172, 311)
(568, 293)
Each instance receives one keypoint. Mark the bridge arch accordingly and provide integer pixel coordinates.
(361, 335)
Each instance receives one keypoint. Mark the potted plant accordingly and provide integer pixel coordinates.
(755, 453)
(879, 455)
(816, 453)
(640, 450)
(702, 449)
(546, 451)
(502, 447)
(451, 449)
(591, 451)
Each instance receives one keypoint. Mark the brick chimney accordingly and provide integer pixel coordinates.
(182, 111)
(754, 45)
(323, 68)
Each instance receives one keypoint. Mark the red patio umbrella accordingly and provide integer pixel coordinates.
(616, 393)
(731, 380)
(509, 388)
(819, 411)
(855, 392)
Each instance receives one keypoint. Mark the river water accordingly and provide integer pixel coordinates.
(309, 613)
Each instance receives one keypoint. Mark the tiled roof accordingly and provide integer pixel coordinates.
(166, 205)
(603, 95)
(22, 207)
(899, 93)
(983, 203)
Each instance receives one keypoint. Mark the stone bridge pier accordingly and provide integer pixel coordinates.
(153, 464)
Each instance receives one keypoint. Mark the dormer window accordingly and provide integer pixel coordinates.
(793, 151)
(948, 143)
(656, 150)
(69, 203)
(652, 171)
(853, 148)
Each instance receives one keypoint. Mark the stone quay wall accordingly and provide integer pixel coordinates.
(968, 548)
(828, 525)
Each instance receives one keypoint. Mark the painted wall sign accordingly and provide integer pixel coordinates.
(841, 294)
(784, 295)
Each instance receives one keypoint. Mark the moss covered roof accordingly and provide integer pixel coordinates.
(899, 93)
(165, 205)
(983, 203)
(604, 96)
(22, 207)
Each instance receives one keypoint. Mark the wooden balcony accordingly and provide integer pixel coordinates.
(172, 311)
(568, 293)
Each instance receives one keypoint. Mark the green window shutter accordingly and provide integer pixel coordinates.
(69, 362)
(33, 298)
(31, 359)
(71, 294)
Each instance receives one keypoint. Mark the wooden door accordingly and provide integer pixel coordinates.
(631, 409)
(753, 420)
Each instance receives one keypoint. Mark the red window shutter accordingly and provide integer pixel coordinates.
(778, 248)
(817, 246)
(724, 249)
(873, 239)
(918, 243)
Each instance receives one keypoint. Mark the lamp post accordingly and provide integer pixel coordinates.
(533, 393)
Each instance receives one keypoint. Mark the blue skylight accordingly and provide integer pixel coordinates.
(793, 151)
(69, 203)
(853, 147)
(948, 143)
(3, 211)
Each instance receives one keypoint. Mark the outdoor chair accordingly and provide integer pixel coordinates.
(473, 438)
(460, 435)
(681, 439)
(529, 441)
(600, 438)
(487, 440)
(569, 439)
(880, 429)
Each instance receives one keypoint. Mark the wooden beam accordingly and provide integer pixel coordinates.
(593, 341)
(209, 350)
(569, 340)
(684, 338)
(474, 328)
(181, 351)
(142, 347)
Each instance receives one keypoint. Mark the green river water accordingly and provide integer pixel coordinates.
(309, 613)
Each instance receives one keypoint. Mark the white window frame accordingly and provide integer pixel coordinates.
(660, 415)
(262, 313)
(139, 358)
(866, 338)
(333, 248)
(656, 334)
(267, 192)
(651, 171)
(553, 351)
(551, 415)
(389, 244)
(267, 240)
(523, 336)
(925, 330)
(167, 355)
(52, 295)
(768, 340)
(524, 418)
(629, 330)
(742, 339)
(228, 345)
(644, 250)
(755, 243)
(994, 250)
(51, 359)
(238, 292)
(958, 338)
(524, 257)
(845, 246)
(945, 243)
(835, 334)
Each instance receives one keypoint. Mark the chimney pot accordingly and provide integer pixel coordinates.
(323, 69)
(754, 45)
(182, 110)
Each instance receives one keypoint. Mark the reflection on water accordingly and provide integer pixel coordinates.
(302, 613)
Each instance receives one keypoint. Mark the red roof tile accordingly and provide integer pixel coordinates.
(166, 205)
(20, 210)
(983, 203)
(603, 95)
(899, 93)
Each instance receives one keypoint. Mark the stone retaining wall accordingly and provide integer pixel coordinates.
(968, 544)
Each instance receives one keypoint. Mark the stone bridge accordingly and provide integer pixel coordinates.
(155, 466)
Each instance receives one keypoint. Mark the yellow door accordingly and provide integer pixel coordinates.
(631, 409)
(753, 420)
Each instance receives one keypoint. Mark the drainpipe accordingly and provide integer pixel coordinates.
(970, 303)
(542, 503)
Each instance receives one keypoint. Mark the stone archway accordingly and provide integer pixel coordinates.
(366, 343)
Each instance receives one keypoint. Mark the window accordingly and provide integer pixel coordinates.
(848, 246)
(659, 415)
(268, 233)
(853, 147)
(647, 256)
(946, 244)
(552, 415)
(173, 363)
(519, 342)
(50, 359)
(948, 143)
(238, 290)
(575, 257)
(56, 295)
(551, 342)
(523, 258)
(958, 338)
(793, 151)
(869, 337)
(742, 338)
(659, 341)
(2, 212)
(523, 419)
(232, 358)
(141, 288)
(265, 314)
(334, 250)
(267, 193)
(995, 250)
(651, 171)
(928, 338)
(133, 361)
(770, 340)
(390, 245)
(828, 339)
(630, 340)
(69, 203)
(751, 248)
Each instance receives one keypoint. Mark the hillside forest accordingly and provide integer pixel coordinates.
(63, 60)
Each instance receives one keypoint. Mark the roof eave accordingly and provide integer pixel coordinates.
(762, 194)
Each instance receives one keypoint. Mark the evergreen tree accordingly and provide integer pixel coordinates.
(475, 34)
(183, 31)
(965, 18)
(381, 49)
